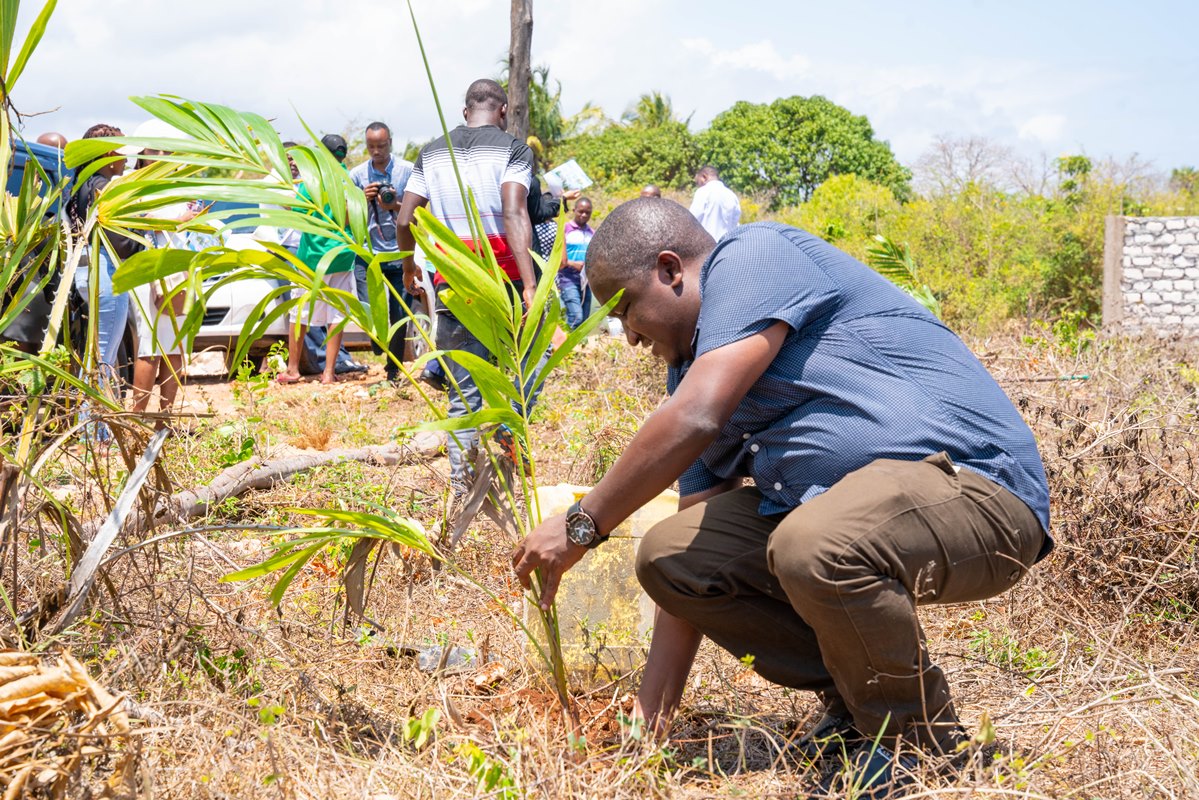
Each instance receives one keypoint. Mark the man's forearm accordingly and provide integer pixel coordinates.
(407, 244)
(520, 239)
(671, 653)
(669, 442)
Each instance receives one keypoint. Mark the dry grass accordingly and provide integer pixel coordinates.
(1087, 669)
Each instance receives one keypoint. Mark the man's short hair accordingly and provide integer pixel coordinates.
(486, 93)
(379, 126)
(102, 130)
(709, 172)
(628, 242)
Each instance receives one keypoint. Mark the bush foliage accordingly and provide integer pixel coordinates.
(623, 157)
(993, 236)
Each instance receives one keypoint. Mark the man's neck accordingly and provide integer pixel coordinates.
(381, 167)
(482, 121)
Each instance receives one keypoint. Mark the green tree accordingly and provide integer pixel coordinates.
(625, 156)
(1185, 179)
(787, 148)
(847, 210)
(546, 127)
(652, 110)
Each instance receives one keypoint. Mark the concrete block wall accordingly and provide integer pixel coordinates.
(1151, 275)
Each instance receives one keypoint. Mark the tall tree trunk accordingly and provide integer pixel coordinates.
(520, 70)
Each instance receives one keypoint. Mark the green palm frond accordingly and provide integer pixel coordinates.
(894, 262)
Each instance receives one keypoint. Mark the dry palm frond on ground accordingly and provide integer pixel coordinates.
(60, 730)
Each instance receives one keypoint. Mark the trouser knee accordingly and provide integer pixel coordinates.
(658, 559)
(804, 567)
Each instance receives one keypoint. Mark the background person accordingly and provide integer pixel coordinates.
(53, 139)
(571, 280)
(109, 312)
(714, 204)
(498, 169)
(159, 353)
(339, 276)
(543, 216)
(651, 191)
(383, 178)
(888, 467)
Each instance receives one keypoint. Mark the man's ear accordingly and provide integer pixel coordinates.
(670, 268)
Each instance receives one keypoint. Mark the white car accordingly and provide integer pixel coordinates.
(231, 305)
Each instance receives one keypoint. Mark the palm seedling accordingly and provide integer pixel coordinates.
(894, 262)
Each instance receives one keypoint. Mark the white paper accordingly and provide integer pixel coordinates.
(568, 175)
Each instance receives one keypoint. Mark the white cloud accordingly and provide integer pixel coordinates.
(1044, 128)
(757, 57)
(342, 60)
(331, 62)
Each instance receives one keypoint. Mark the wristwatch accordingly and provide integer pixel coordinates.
(581, 528)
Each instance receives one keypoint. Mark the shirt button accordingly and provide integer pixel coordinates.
(753, 448)
(745, 436)
(778, 487)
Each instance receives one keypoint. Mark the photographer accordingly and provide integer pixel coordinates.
(382, 177)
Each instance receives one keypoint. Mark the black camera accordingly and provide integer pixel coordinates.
(387, 193)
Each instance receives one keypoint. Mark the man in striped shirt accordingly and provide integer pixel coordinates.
(497, 168)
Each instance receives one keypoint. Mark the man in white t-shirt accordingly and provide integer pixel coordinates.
(714, 204)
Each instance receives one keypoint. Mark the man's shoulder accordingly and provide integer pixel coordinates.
(481, 136)
(437, 144)
(359, 171)
(754, 233)
(747, 244)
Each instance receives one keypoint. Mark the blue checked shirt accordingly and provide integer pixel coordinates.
(381, 223)
(864, 373)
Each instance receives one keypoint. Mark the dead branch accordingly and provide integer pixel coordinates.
(255, 474)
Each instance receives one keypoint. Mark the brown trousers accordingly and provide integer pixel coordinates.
(824, 597)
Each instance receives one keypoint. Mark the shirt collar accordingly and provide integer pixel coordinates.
(370, 166)
(703, 280)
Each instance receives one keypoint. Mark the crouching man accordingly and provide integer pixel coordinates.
(886, 469)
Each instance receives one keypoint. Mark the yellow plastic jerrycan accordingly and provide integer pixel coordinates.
(604, 618)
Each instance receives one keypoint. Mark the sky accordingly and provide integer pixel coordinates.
(1111, 79)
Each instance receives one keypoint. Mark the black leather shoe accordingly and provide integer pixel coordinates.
(830, 737)
(869, 772)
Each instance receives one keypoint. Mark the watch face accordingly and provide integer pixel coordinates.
(580, 529)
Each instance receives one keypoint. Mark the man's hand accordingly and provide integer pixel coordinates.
(527, 293)
(371, 190)
(412, 282)
(547, 549)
